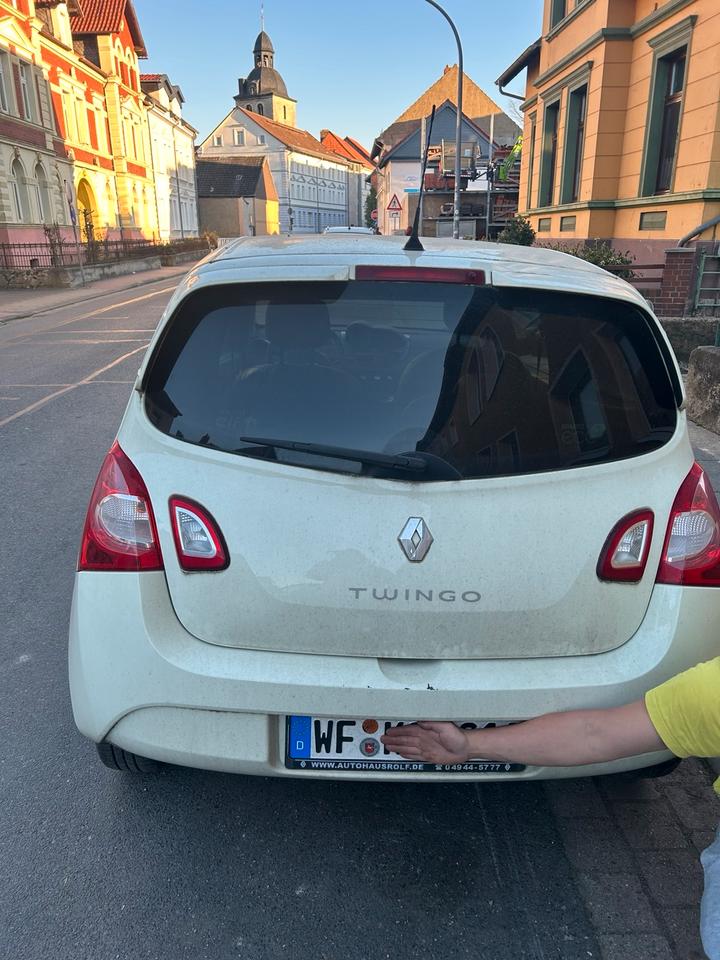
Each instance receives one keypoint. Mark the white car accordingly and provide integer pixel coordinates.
(356, 485)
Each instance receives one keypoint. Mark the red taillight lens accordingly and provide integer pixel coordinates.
(626, 549)
(120, 531)
(422, 274)
(691, 554)
(198, 540)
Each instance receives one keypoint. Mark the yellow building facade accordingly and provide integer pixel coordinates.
(621, 136)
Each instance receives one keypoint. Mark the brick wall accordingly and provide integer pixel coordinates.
(676, 294)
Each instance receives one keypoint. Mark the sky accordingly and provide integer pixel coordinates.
(352, 66)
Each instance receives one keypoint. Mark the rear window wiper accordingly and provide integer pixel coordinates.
(399, 462)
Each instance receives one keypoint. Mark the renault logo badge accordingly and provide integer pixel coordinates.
(415, 539)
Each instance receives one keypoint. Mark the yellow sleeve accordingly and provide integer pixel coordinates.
(685, 711)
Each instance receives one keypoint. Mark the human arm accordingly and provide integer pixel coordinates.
(555, 739)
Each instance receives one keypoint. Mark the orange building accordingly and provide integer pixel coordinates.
(621, 137)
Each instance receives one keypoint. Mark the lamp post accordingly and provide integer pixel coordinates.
(458, 125)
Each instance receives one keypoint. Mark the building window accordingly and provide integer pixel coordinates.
(567, 224)
(654, 220)
(673, 82)
(574, 143)
(260, 110)
(544, 224)
(4, 84)
(261, 138)
(249, 107)
(42, 194)
(663, 128)
(284, 113)
(25, 92)
(217, 140)
(239, 138)
(531, 158)
(20, 192)
(549, 154)
(558, 9)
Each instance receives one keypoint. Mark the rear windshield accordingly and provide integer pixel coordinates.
(483, 381)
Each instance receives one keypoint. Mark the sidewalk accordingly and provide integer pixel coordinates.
(15, 304)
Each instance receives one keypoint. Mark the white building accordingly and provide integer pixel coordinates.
(312, 183)
(172, 145)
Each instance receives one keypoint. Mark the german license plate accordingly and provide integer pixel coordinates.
(321, 743)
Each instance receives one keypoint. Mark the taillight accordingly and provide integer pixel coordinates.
(120, 531)
(626, 549)
(691, 553)
(198, 540)
(422, 274)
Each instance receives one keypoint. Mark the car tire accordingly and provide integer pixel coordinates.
(115, 758)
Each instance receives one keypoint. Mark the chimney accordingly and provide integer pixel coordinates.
(323, 134)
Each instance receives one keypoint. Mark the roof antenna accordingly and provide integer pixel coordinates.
(414, 238)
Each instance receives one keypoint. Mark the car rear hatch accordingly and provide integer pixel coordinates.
(470, 450)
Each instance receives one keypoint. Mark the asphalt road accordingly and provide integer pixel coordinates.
(199, 865)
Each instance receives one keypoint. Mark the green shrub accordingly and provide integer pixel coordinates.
(602, 254)
(518, 230)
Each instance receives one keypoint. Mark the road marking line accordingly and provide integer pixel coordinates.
(93, 313)
(111, 330)
(72, 386)
(123, 340)
(17, 386)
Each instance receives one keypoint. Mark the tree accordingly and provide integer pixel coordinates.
(370, 205)
(519, 231)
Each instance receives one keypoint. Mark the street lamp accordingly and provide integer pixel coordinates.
(458, 125)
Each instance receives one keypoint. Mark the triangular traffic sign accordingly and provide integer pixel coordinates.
(394, 203)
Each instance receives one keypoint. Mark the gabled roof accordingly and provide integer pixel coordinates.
(105, 16)
(412, 128)
(229, 178)
(292, 137)
(360, 149)
(150, 81)
(476, 103)
(345, 147)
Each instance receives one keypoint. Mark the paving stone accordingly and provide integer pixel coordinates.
(684, 926)
(634, 947)
(575, 798)
(592, 845)
(617, 904)
(649, 825)
(694, 806)
(702, 839)
(674, 877)
(621, 787)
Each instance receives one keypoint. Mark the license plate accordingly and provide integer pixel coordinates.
(321, 743)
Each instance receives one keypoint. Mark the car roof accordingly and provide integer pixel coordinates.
(334, 255)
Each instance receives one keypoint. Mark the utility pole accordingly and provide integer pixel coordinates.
(458, 125)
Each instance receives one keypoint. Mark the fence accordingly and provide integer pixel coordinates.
(58, 253)
(645, 277)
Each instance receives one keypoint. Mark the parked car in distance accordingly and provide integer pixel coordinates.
(356, 485)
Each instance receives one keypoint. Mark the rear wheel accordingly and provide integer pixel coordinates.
(118, 759)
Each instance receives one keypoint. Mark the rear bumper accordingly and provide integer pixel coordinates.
(138, 679)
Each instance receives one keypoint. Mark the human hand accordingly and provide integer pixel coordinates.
(429, 741)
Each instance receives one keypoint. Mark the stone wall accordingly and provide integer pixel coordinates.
(688, 333)
(703, 388)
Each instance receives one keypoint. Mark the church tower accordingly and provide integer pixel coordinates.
(263, 91)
